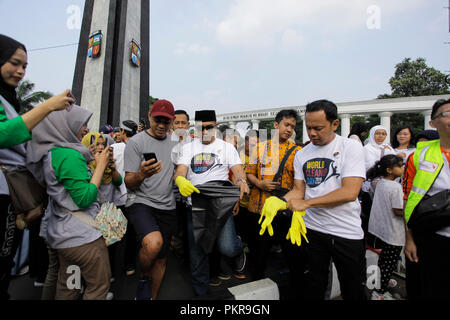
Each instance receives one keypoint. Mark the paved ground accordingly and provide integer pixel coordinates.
(176, 284)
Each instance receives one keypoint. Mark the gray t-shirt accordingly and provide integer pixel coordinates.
(383, 223)
(155, 191)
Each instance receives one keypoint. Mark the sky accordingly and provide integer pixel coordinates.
(242, 55)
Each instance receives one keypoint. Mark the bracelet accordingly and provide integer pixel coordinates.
(241, 180)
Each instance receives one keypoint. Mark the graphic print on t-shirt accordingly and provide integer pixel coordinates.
(203, 162)
(319, 170)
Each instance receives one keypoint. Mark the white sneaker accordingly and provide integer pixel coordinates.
(109, 296)
(38, 284)
(378, 296)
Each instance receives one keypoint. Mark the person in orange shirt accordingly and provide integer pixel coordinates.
(263, 165)
(428, 261)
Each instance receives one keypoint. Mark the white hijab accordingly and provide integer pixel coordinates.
(374, 151)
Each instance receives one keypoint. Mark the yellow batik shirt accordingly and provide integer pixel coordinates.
(264, 163)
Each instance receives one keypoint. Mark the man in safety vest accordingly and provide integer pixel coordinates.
(428, 173)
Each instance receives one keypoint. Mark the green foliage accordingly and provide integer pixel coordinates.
(415, 78)
(151, 101)
(27, 98)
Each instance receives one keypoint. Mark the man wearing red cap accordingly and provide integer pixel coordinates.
(151, 203)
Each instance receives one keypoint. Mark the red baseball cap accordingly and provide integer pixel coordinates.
(163, 108)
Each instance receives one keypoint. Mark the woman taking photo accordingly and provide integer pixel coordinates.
(14, 132)
(57, 154)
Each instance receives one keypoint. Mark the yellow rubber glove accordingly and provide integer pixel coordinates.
(185, 186)
(297, 229)
(271, 206)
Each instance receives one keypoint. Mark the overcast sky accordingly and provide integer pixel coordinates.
(250, 54)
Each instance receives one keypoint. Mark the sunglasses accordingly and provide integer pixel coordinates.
(208, 127)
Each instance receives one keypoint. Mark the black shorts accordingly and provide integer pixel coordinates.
(146, 219)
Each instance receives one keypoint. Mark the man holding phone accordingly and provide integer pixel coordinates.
(151, 203)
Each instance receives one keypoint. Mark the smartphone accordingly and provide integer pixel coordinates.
(149, 156)
(92, 139)
(70, 95)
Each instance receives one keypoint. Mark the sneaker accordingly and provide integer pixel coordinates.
(215, 282)
(239, 275)
(240, 262)
(38, 284)
(130, 271)
(144, 289)
(224, 276)
(110, 296)
(378, 296)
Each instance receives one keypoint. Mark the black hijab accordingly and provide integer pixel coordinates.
(8, 47)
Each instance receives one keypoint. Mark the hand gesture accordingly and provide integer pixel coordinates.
(267, 185)
(102, 158)
(60, 101)
(150, 168)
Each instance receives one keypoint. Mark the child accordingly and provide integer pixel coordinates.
(386, 218)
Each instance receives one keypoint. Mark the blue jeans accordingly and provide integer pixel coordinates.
(227, 243)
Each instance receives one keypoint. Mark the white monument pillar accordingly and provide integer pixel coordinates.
(385, 120)
(426, 120)
(345, 125)
(112, 70)
(255, 124)
(305, 133)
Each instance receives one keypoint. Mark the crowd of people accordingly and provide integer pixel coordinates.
(215, 197)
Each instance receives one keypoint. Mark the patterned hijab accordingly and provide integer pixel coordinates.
(107, 176)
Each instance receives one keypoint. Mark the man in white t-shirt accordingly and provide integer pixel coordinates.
(329, 173)
(200, 161)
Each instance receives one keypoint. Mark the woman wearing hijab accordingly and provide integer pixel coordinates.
(14, 132)
(358, 132)
(111, 188)
(60, 161)
(377, 148)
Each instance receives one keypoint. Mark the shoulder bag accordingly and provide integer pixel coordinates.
(27, 196)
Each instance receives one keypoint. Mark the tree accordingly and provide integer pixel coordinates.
(415, 78)
(27, 98)
(152, 100)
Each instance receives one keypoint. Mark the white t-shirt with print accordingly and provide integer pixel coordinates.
(208, 162)
(383, 223)
(323, 168)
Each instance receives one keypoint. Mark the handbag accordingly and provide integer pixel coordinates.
(27, 196)
(110, 221)
(431, 214)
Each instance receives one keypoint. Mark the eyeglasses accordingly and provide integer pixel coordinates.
(444, 114)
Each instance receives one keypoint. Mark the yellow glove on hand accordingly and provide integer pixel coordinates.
(268, 212)
(185, 186)
(297, 229)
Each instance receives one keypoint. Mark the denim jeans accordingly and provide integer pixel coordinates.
(227, 244)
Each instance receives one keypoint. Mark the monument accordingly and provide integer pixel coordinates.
(112, 71)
